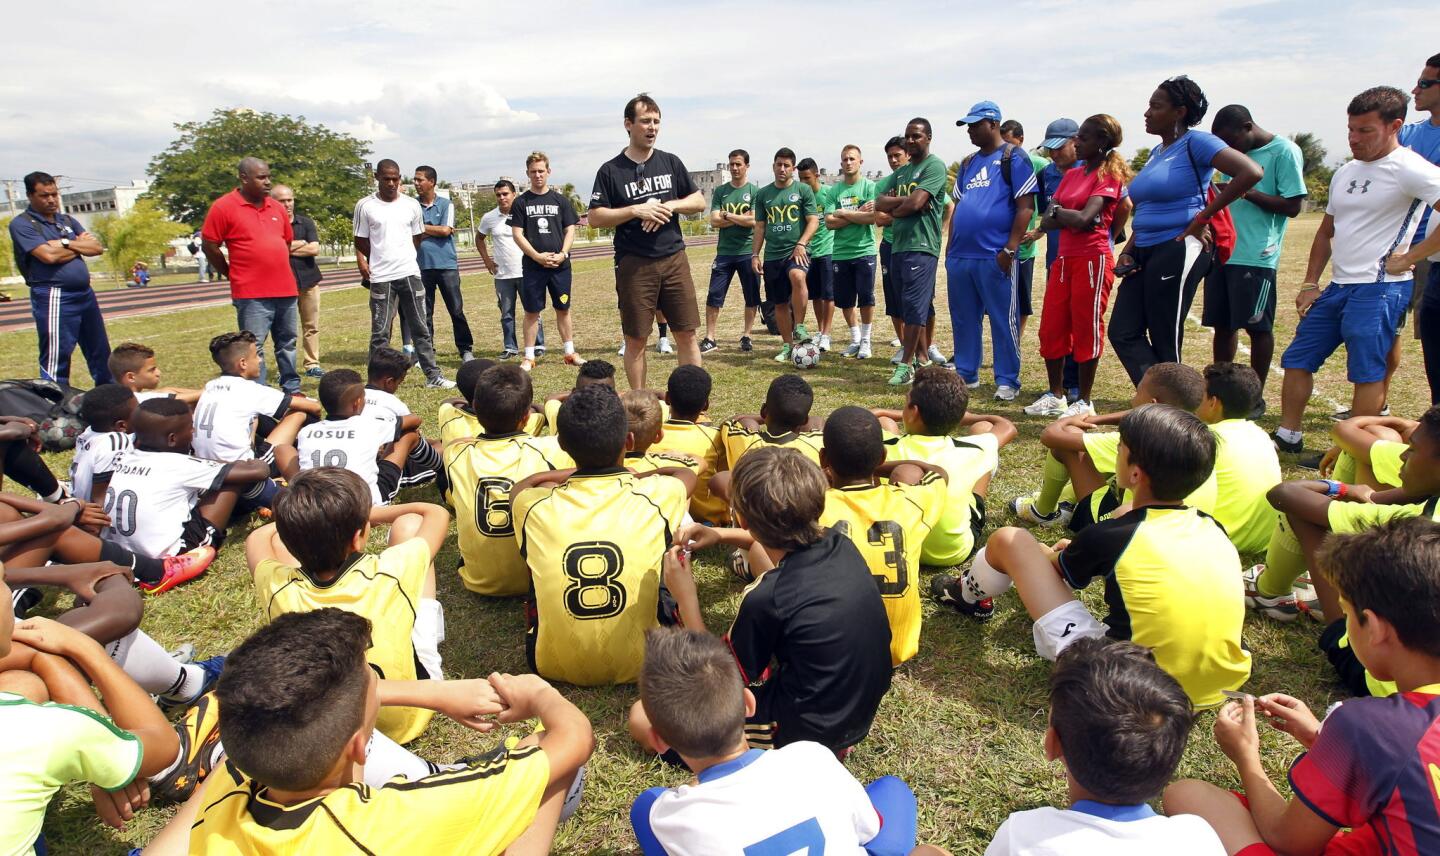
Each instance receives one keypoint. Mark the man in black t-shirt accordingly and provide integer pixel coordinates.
(303, 251)
(544, 224)
(639, 194)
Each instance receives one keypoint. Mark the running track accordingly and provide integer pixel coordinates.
(123, 302)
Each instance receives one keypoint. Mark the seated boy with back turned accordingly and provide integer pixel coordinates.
(688, 393)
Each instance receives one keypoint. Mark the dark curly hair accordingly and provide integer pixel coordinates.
(1186, 93)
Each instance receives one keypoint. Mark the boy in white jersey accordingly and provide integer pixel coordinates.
(106, 410)
(742, 799)
(133, 366)
(233, 404)
(386, 373)
(352, 437)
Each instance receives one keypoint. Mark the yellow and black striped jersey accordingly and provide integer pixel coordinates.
(594, 545)
(887, 523)
(700, 441)
(481, 472)
(384, 588)
(480, 808)
(738, 440)
(456, 422)
(652, 460)
(549, 446)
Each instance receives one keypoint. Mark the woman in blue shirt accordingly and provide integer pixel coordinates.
(1171, 242)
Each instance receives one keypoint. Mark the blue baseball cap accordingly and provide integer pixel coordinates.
(982, 110)
(1058, 132)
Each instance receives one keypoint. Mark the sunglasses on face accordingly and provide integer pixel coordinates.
(1427, 83)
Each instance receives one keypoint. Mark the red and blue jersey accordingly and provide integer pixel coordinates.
(1376, 764)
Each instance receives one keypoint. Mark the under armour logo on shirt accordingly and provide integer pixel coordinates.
(1364, 186)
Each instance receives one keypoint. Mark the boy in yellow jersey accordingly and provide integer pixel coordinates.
(455, 417)
(298, 737)
(686, 432)
(1310, 510)
(313, 556)
(482, 470)
(642, 412)
(784, 420)
(1085, 459)
(1246, 464)
(593, 539)
(1172, 577)
(936, 407)
(601, 373)
(1367, 450)
(887, 510)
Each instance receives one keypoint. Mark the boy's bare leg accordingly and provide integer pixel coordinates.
(113, 613)
(1026, 561)
(405, 527)
(1084, 478)
(218, 507)
(1310, 535)
(1220, 808)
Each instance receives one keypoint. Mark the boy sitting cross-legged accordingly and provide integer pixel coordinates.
(1172, 577)
(887, 510)
(314, 556)
(935, 408)
(688, 393)
(133, 366)
(162, 501)
(745, 800)
(298, 706)
(642, 412)
(456, 417)
(1367, 450)
(593, 539)
(1370, 767)
(811, 635)
(481, 471)
(1246, 463)
(1118, 724)
(373, 445)
(384, 374)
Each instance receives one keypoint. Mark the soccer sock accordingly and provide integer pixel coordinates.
(855, 335)
(427, 635)
(664, 329)
(425, 462)
(1344, 468)
(1288, 435)
(530, 352)
(1053, 481)
(569, 348)
(1284, 562)
(146, 569)
(24, 465)
(981, 580)
(388, 759)
(152, 667)
(865, 332)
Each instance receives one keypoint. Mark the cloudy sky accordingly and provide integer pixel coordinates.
(472, 88)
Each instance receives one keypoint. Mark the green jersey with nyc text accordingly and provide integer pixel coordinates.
(783, 211)
(734, 240)
(855, 240)
(920, 232)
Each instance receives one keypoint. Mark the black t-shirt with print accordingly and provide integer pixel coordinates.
(622, 182)
(543, 217)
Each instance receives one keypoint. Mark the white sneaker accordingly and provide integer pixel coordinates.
(824, 343)
(1048, 404)
(894, 343)
(937, 357)
(864, 353)
(1023, 507)
(663, 346)
(439, 382)
(1080, 407)
(852, 350)
(1006, 393)
(1287, 607)
(621, 352)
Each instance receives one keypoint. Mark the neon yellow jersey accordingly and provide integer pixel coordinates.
(738, 440)
(1246, 467)
(702, 442)
(886, 522)
(548, 445)
(1351, 517)
(965, 460)
(594, 545)
(481, 472)
(384, 588)
(480, 808)
(1385, 461)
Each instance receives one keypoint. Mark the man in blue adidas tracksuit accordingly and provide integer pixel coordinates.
(988, 212)
(49, 246)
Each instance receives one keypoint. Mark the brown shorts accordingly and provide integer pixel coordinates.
(645, 285)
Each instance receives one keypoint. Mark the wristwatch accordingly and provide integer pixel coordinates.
(1009, 252)
(65, 242)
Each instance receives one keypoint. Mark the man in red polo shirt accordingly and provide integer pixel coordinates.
(256, 231)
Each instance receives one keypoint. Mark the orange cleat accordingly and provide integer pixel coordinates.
(181, 569)
(574, 360)
(527, 365)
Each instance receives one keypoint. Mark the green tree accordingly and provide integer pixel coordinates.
(1138, 162)
(1311, 151)
(141, 234)
(325, 168)
(7, 249)
(568, 191)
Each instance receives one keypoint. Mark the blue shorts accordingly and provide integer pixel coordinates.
(1364, 318)
(725, 268)
(820, 281)
(855, 282)
(913, 275)
(536, 281)
(777, 278)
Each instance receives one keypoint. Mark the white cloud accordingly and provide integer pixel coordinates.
(472, 88)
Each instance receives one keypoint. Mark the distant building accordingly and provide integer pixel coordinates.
(105, 200)
(706, 180)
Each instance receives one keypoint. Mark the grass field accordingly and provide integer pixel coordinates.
(964, 720)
